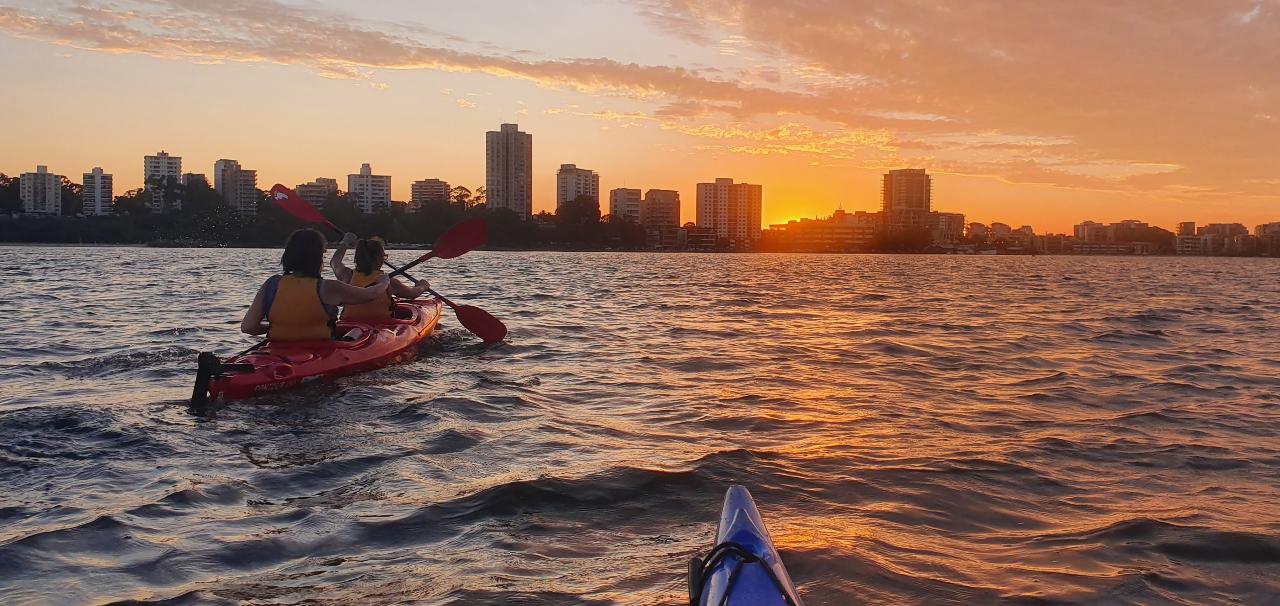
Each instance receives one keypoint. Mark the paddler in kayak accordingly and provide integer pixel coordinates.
(370, 254)
(299, 305)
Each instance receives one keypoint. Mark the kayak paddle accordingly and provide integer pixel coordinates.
(480, 322)
(460, 239)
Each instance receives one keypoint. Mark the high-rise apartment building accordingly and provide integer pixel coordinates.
(372, 192)
(732, 209)
(660, 209)
(625, 204)
(660, 217)
(509, 170)
(237, 186)
(95, 191)
(427, 190)
(907, 198)
(573, 182)
(1187, 228)
(317, 192)
(157, 168)
(41, 192)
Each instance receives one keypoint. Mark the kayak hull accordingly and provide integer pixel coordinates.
(743, 568)
(280, 366)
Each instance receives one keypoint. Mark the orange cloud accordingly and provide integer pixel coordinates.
(1093, 95)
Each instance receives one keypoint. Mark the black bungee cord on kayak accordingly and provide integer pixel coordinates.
(699, 567)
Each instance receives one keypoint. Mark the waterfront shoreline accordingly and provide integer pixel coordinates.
(632, 251)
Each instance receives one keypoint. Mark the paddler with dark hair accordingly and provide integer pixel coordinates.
(370, 254)
(299, 305)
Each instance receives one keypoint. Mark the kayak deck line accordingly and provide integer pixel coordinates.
(278, 366)
(743, 568)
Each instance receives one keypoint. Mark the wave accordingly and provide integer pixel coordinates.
(1197, 543)
(125, 361)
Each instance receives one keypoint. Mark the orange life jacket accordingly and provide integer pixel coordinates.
(377, 309)
(296, 312)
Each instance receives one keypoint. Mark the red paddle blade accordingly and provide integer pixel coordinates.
(461, 239)
(481, 323)
(289, 202)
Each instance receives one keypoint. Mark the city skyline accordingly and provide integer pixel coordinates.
(906, 204)
(1092, 116)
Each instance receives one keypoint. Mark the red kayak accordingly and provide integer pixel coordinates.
(285, 365)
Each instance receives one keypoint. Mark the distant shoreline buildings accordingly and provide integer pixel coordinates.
(727, 213)
(907, 221)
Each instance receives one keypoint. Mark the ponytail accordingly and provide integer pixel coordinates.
(369, 255)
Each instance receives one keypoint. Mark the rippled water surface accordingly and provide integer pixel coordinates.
(915, 430)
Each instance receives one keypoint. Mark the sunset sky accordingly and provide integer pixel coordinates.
(1027, 112)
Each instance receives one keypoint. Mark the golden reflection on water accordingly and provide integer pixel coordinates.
(1060, 429)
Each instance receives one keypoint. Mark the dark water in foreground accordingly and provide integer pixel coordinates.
(915, 430)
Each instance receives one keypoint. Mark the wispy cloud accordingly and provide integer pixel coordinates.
(1091, 94)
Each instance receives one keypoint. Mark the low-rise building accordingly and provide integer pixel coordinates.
(977, 233)
(1190, 245)
(625, 204)
(692, 237)
(190, 180)
(946, 228)
(1111, 248)
(317, 192)
(1268, 239)
(426, 191)
(1000, 232)
(841, 232)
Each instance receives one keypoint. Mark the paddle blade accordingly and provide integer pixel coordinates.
(461, 239)
(481, 323)
(289, 202)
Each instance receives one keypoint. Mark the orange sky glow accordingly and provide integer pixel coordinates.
(1030, 113)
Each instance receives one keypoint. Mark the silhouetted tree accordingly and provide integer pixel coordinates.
(135, 202)
(10, 194)
(72, 198)
(341, 209)
(460, 195)
(583, 210)
(170, 191)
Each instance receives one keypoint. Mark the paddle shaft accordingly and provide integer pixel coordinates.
(410, 265)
